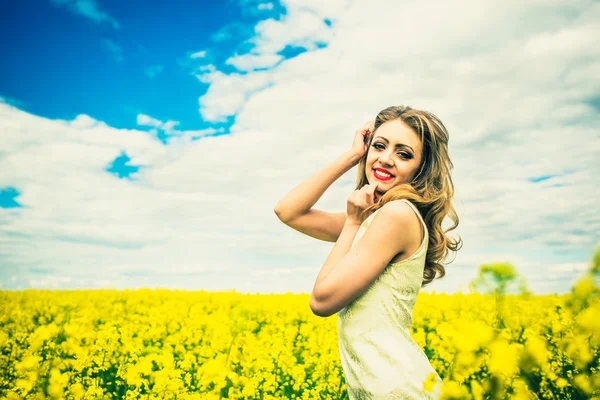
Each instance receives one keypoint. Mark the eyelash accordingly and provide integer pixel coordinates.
(379, 144)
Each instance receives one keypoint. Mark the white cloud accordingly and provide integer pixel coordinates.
(515, 98)
(571, 267)
(509, 102)
(181, 136)
(248, 62)
(204, 69)
(228, 93)
(153, 70)
(265, 6)
(146, 120)
(198, 54)
(300, 29)
(88, 9)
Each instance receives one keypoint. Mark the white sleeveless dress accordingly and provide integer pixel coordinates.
(379, 357)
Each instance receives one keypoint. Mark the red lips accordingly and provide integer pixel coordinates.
(384, 170)
(381, 178)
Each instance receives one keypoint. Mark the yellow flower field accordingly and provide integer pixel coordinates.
(162, 344)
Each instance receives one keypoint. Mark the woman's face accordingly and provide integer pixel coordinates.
(395, 148)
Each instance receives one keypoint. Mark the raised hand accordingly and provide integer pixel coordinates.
(361, 138)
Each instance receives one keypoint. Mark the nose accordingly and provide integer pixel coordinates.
(385, 158)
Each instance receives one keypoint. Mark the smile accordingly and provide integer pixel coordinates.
(382, 176)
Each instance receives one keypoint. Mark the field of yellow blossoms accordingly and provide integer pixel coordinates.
(163, 344)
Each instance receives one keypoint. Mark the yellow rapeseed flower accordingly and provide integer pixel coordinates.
(186, 345)
(430, 382)
(503, 359)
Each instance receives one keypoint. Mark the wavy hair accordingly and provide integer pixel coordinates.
(431, 190)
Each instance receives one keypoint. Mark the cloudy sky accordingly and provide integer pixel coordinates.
(146, 144)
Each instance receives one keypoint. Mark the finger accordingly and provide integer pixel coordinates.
(372, 187)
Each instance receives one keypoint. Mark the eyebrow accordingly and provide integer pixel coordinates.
(398, 145)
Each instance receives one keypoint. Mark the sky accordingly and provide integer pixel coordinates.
(147, 144)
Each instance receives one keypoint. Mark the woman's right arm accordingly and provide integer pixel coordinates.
(295, 208)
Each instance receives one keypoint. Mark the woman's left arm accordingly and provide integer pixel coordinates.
(347, 274)
(340, 249)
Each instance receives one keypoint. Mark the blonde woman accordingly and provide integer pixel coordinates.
(388, 244)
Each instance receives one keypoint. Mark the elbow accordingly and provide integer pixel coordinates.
(283, 215)
(279, 212)
(318, 308)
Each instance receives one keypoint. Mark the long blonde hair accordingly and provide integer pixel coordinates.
(431, 190)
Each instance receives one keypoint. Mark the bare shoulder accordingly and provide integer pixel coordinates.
(398, 210)
(394, 232)
(401, 214)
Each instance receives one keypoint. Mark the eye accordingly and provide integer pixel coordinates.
(403, 154)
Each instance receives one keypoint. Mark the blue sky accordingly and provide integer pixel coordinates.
(114, 60)
(146, 144)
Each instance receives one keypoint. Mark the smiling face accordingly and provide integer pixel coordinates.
(395, 148)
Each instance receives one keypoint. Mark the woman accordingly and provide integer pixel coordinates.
(388, 244)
